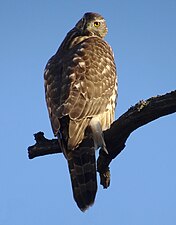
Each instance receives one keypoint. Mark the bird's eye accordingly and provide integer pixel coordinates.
(96, 24)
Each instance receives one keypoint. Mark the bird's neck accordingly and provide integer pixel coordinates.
(73, 38)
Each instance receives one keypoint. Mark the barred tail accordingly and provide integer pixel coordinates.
(82, 167)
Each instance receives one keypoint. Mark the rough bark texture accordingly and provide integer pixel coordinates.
(142, 113)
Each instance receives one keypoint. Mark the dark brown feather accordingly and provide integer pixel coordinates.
(82, 167)
(80, 85)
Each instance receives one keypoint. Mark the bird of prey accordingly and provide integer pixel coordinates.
(81, 92)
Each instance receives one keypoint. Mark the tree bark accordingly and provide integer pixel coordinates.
(142, 113)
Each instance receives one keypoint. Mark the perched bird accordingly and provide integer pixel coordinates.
(81, 91)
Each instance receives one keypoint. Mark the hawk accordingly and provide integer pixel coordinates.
(81, 91)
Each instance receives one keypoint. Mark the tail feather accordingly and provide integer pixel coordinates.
(82, 167)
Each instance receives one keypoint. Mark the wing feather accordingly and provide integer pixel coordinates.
(80, 85)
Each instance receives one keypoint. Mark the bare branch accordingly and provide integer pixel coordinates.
(142, 113)
(43, 146)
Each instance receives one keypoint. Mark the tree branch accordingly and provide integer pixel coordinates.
(142, 113)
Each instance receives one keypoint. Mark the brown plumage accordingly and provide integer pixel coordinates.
(81, 90)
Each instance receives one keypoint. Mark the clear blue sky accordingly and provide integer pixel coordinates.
(143, 187)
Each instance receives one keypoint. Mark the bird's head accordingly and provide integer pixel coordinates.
(92, 24)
